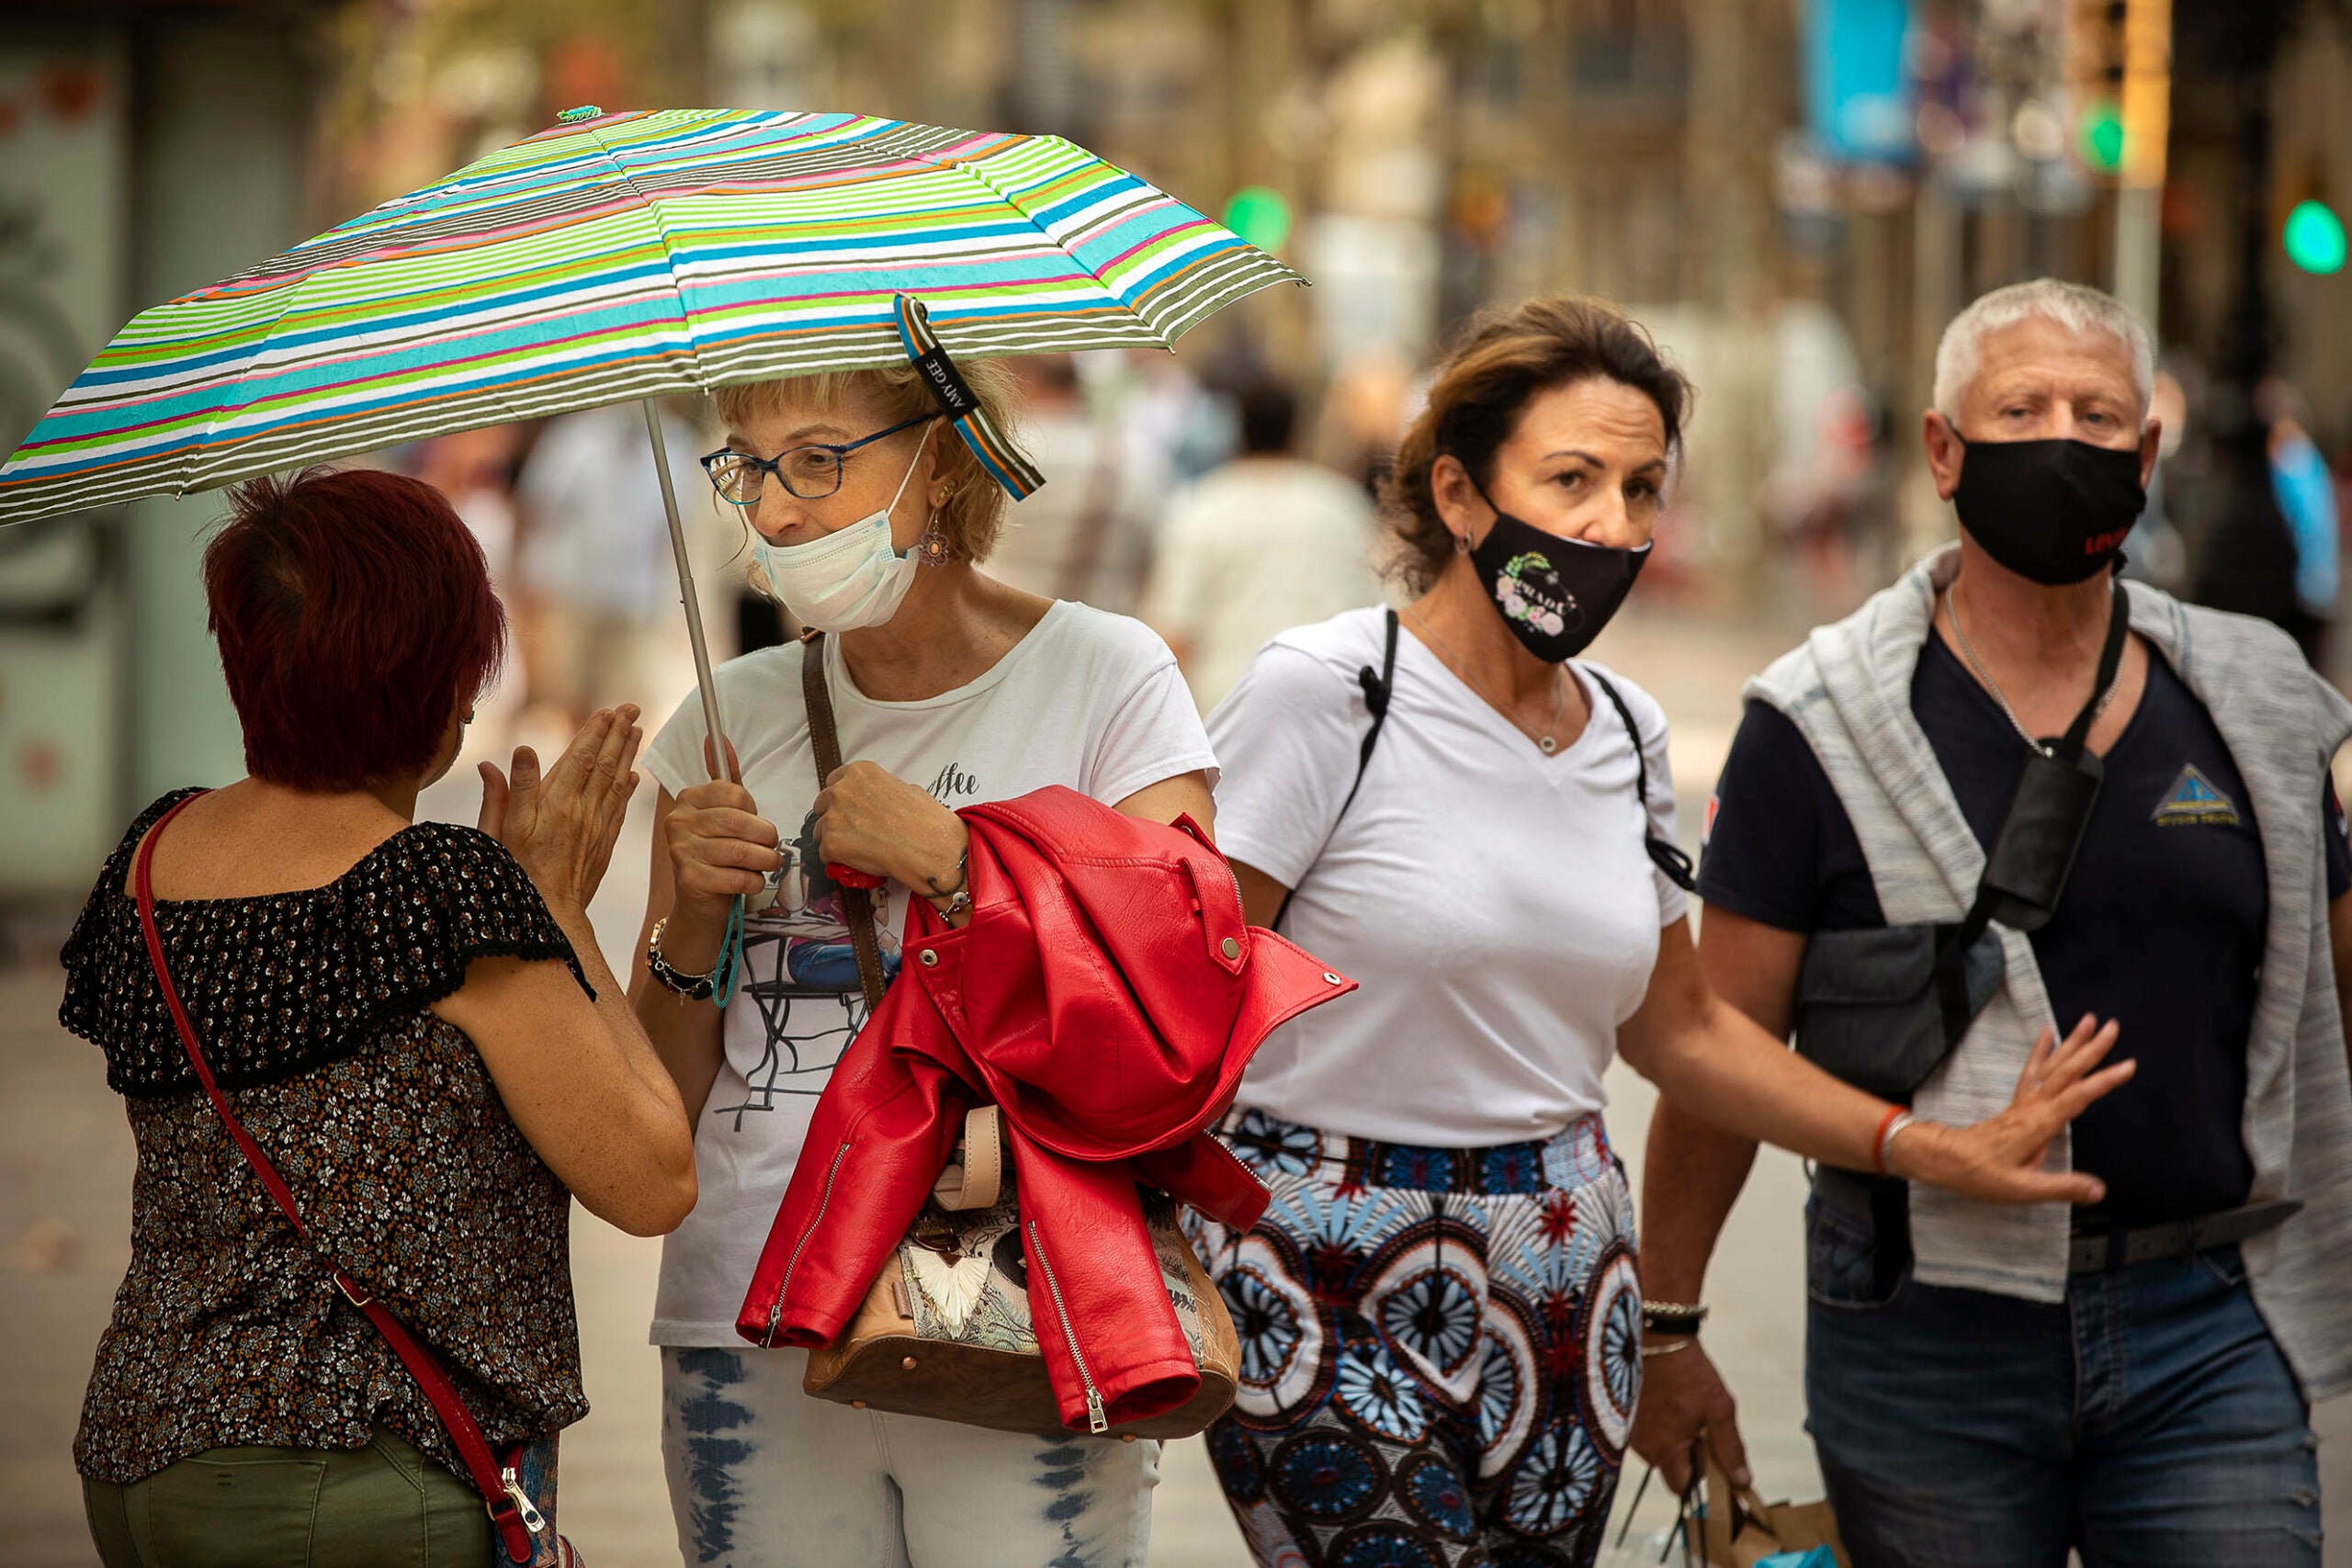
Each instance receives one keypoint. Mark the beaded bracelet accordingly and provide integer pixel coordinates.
(693, 987)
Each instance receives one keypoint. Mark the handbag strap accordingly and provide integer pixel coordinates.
(1378, 685)
(978, 1182)
(858, 903)
(1668, 857)
(510, 1511)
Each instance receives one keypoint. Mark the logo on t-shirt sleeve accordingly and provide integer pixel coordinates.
(2195, 800)
(1707, 827)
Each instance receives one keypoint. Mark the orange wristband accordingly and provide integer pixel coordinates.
(1878, 1144)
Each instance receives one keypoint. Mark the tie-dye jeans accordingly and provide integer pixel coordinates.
(1439, 1349)
(763, 1476)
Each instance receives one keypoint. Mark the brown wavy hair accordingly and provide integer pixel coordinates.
(1504, 360)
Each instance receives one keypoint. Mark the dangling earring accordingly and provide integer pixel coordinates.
(934, 547)
(465, 719)
(1461, 544)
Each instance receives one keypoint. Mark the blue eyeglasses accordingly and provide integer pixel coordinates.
(811, 472)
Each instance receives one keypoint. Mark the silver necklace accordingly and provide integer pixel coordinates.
(1547, 743)
(1952, 604)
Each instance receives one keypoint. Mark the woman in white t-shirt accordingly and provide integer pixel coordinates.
(948, 688)
(1441, 1320)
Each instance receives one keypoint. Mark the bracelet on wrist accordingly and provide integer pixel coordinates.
(1897, 1119)
(959, 897)
(1673, 1317)
(693, 987)
(1670, 1347)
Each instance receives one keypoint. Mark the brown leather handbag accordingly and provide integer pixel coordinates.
(945, 1328)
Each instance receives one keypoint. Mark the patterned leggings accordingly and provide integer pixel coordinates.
(1440, 1350)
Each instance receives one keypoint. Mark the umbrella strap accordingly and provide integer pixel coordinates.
(1005, 462)
(722, 974)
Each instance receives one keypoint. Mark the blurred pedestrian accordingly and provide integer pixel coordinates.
(1087, 535)
(2305, 491)
(475, 471)
(596, 560)
(1898, 869)
(1267, 542)
(872, 516)
(1183, 427)
(2156, 553)
(1439, 1313)
(413, 1025)
(1372, 394)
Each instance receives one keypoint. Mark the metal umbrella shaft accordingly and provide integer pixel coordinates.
(703, 682)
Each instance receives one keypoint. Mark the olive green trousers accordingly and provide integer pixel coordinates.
(385, 1506)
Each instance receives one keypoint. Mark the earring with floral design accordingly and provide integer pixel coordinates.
(934, 547)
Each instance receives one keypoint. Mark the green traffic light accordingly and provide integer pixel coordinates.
(2103, 138)
(2314, 237)
(1260, 215)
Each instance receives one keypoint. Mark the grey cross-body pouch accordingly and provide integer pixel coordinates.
(1882, 1009)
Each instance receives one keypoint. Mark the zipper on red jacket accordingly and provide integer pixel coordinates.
(1095, 1420)
(775, 1312)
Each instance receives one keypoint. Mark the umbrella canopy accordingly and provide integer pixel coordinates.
(622, 257)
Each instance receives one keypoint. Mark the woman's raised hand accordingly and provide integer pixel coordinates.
(2000, 1160)
(561, 826)
(719, 845)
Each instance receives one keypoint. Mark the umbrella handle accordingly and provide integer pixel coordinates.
(703, 682)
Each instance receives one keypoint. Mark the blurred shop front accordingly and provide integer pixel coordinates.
(144, 149)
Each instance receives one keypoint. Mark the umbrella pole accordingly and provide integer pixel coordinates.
(703, 680)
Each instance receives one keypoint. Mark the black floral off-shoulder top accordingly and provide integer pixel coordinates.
(314, 1011)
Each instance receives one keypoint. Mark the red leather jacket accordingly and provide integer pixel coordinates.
(1105, 993)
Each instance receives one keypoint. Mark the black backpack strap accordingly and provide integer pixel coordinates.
(1377, 686)
(1668, 857)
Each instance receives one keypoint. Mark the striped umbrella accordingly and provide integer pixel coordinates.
(624, 256)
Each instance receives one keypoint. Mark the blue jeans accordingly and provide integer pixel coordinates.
(2149, 1422)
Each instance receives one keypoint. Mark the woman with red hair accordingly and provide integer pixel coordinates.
(412, 1024)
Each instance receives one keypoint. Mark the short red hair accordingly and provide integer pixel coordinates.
(354, 613)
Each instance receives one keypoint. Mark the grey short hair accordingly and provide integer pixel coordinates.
(2077, 306)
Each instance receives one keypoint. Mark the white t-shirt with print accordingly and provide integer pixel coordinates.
(1496, 905)
(1088, 699)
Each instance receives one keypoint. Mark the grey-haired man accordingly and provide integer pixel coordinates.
(1985, 800)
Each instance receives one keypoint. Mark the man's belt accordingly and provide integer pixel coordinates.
(2121, 1246)
(2090, 1251)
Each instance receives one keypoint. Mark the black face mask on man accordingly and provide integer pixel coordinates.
(1555, 594)
(2055, 511)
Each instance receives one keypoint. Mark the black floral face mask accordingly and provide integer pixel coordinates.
(1555, 594)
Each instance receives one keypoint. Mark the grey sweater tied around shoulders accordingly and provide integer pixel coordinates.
(1848, 689)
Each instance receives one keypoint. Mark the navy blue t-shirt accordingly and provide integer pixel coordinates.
(2162, 925)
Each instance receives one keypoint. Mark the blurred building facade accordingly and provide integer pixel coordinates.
(1795, 194)
(145, 148)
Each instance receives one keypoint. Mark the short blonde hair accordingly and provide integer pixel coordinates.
(973, 515)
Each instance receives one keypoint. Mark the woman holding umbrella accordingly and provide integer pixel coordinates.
(631, 255)
(871, 518)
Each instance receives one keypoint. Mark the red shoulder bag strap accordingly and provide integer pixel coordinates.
(510, 1511)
